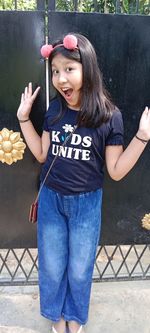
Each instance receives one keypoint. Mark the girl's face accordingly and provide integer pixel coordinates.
(67, 79)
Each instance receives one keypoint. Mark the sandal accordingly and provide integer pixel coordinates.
(54, 330)
(79, 330)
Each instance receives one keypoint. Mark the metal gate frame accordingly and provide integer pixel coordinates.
(113, 263)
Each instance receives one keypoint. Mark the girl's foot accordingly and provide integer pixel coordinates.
(59, 327)
(75, 327)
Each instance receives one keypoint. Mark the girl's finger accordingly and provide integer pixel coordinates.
(146, 110)
(22, 98)
(26, 92)
(30, 88)
(36, 92)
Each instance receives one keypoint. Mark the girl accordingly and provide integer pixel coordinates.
(69, 214)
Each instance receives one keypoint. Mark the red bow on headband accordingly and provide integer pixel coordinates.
(69, 42)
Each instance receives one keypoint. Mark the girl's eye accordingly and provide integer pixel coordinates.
(69, 69)
(54, 71)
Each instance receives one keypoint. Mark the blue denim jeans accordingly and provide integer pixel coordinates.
(68, 234)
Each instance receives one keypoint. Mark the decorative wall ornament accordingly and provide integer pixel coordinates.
(146, 221)
(11, 146)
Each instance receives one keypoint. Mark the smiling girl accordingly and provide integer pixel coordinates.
(69, 214)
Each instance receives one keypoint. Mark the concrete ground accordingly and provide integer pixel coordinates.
(116, 307)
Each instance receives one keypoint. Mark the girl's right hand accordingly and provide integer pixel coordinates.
(27, 99)
(144, 125)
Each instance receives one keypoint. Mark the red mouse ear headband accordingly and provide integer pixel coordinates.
(69, 42)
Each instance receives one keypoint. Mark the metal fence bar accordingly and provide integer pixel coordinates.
(95, 6)
(138, 261)
(4, 264)
(19, 264)
(109, 261)
(51, 5)
(40, 4)
(124, 261)
(34, 266)
(118, 7)
(15, 4)
(148, 268)
(137, 6)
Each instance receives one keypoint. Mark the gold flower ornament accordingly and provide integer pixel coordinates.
(146, 221)
(11, 146)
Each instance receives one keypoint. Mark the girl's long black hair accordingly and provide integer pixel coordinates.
(96, 106)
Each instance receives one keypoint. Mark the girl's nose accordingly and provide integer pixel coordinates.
(62, 78)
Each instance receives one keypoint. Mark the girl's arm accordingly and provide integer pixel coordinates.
(120, 162)
(38, 145)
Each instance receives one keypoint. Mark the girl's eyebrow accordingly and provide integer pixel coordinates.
(65, 63)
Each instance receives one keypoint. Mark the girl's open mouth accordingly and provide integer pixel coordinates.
(68, 92)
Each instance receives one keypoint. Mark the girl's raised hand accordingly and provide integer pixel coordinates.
(144, 125)
(27, 99)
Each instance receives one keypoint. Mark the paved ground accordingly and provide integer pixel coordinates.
(116, 307)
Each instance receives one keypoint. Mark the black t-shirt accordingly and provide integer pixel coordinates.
(79, 167)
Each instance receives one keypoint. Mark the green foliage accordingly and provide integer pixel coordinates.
(18, 4)
(64, 5)
(101, 6)
(106, 6)
(134, 6)
(86, 5)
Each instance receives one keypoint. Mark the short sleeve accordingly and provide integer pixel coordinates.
(116, 134)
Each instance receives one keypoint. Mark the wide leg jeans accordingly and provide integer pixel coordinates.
(68, 234)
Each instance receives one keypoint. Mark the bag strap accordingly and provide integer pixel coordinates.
(53, 161)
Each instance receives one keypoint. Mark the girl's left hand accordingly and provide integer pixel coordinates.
(144, 125)
(27, 100)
